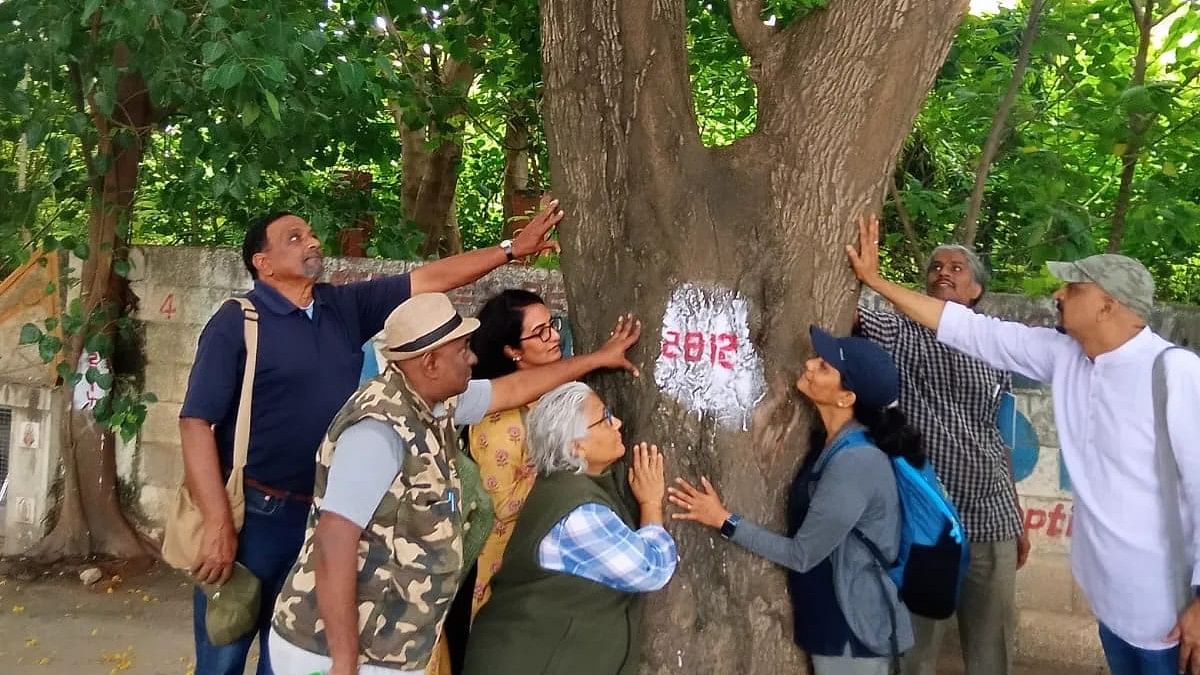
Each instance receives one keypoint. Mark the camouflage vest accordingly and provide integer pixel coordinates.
(409, 556)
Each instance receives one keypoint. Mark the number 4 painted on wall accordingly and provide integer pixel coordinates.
(167, 308)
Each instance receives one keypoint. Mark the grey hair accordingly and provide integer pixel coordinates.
(553, 427)
(978, 271)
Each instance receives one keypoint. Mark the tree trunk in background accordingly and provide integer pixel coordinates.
(650, 209)
(430, 174)
(516, 174)
(90, 520)
(1139, 124)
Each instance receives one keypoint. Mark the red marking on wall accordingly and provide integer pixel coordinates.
(1052, 522)
(693, 346)
(167, 308)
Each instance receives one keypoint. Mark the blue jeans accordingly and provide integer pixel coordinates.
(1125, 659)
(268, 545)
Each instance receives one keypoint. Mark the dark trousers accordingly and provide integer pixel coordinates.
(268, 545)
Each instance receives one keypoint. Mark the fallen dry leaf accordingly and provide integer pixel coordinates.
(31, 642)
(18, 609)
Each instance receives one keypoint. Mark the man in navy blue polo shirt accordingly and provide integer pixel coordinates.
(309, 359)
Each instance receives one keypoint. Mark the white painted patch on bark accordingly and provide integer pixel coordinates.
(706, 361)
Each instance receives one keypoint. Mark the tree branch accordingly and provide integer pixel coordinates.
(910, 232)
(1139, 12)
(969, 228)
(752, 33)
(1139, 125)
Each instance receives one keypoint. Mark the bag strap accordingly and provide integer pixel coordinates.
(1168, 470)
(882, 565)
(241, 432)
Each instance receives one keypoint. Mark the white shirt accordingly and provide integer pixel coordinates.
(1104, 412)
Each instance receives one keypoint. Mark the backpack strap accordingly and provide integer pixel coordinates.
(1168, 471)
(241, 431)
(882, 565)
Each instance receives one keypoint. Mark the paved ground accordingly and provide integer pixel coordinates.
(142, 626)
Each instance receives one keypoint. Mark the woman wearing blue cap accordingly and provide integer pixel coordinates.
(845, 618)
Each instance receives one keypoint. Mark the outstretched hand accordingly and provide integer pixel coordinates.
(646, 477)
(623, 337)
(865, 260)
(702, 504)
(534, 238)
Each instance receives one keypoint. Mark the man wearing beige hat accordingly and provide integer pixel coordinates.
(1135, 472)
(382, 556)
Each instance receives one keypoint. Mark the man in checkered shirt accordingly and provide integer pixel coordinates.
(952, 399)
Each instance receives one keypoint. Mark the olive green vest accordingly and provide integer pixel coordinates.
(552, 623)
(409, 555)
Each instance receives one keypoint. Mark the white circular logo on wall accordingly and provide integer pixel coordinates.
(707, 362)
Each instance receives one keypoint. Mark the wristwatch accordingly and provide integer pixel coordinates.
(506, 246)
(730, 525)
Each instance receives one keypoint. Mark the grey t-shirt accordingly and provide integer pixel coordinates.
(369, 456)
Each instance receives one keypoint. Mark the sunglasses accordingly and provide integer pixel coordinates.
(545, 332)
(608, 417)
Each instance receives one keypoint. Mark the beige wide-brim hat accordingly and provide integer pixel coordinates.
(421, 324)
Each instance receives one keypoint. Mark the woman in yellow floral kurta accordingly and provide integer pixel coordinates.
(516, 331)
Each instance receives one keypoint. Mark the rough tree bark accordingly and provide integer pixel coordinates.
(650, 207)
(90, 520)
(969, 227)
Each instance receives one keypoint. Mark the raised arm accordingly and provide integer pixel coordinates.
(447, 274)
(924, 309)
(525, 386)
(1005, 345)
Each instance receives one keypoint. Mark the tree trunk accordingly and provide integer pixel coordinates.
(516, 173)
(759, 226)
(430, 175)
(1139, 124)
(90, 520)
(968, 230)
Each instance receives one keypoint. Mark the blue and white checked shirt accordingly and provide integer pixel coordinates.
(592, 542)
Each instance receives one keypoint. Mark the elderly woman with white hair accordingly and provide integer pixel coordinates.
(566, 599)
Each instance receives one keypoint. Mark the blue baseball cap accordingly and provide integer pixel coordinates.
(867, 370)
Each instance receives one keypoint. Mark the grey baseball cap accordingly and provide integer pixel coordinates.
(1127, 280)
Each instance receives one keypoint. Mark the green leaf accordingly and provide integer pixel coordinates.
(51, 323)
(81, 250)
(89, 8)
(48, 347)
(64, 371)
(273, 104)
(29, 334)
(99, 343)
(121, 268)
(212, 51)
(91, 374)
(176, 22)
(104, 381)
(230, 74)
(75, 379)
(250, 113)
(150, 397)
(104, 102)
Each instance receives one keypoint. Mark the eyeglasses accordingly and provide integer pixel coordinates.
(545, 332)
(608, 417)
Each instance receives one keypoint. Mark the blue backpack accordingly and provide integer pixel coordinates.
(932, 563)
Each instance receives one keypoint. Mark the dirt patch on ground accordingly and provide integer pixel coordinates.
(51, 624)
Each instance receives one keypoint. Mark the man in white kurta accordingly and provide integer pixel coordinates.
(1138, 578)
